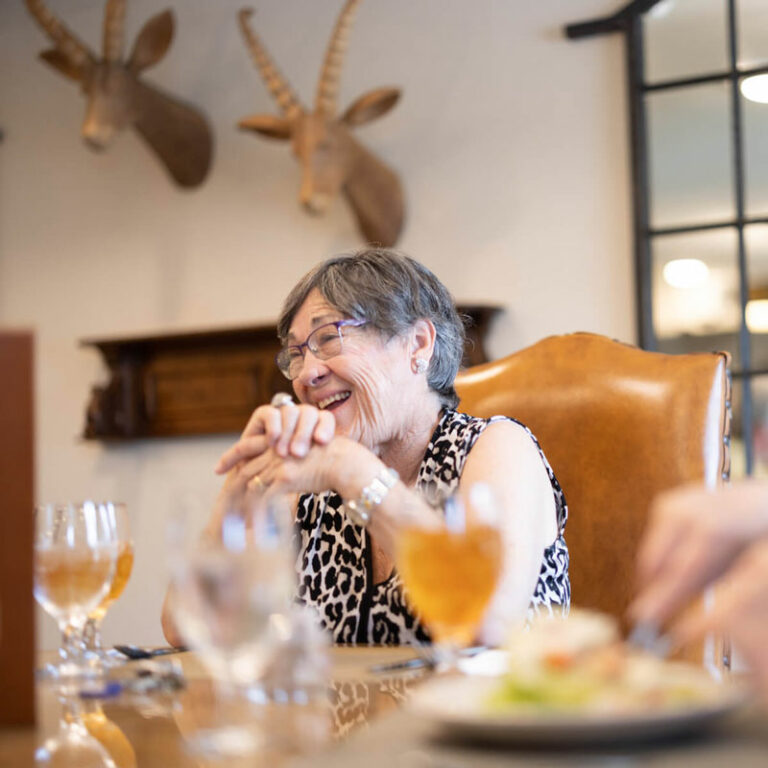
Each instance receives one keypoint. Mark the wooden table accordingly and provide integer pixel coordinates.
(364, 727)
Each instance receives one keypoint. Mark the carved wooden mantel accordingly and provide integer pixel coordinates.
(205, 382)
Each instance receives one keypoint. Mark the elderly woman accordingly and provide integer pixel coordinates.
(371, 344)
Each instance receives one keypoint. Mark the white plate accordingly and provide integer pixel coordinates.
(455, 706)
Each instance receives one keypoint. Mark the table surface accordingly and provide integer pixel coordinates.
(360, 723)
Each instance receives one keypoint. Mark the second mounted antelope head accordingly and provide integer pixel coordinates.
(331, 159)
(117, 96)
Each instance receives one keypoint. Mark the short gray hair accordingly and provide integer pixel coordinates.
(391, 292)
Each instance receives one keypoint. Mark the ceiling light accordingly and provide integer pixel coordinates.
(661, 9)
(684, 273)
(755, 88)
(756, 315)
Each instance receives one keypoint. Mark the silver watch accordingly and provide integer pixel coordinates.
(359, 510)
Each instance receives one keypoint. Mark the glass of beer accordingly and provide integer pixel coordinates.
(450, 568)
(75, 558)
(117, 514)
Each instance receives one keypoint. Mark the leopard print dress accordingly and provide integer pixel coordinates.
(335, 562)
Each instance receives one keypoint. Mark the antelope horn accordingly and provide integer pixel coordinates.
(328, 85)
(77, 53)
(114, 27)
(277, 85)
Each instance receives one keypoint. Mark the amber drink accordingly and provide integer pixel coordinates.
(72, 581)
(450, 577)
(119, 580)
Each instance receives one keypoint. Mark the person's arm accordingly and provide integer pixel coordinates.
(694, 536)
(507, 460)
(740, 610)
(166, 620)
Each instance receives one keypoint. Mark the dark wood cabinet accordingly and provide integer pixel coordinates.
(202, 383)
(17, 483)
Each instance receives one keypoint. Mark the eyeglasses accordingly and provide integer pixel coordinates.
(324, 342)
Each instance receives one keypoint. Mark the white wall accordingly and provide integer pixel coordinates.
(511, 142)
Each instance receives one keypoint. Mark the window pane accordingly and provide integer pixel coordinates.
(696, 306)
(684, 38)
(689, 151)
(756, 247)
(756, 154)
(752, 25)
(760, 424)
(738, 451)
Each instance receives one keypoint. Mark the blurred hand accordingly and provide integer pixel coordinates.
(694, 536)
(740, 611)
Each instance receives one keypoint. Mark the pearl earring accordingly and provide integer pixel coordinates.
(420, 365)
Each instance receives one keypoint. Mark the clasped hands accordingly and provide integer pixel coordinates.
(281, 449)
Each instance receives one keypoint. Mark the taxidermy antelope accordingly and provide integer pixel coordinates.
(331, 159)
(178, 134)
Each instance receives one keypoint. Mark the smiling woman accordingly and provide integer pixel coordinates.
(372, 343)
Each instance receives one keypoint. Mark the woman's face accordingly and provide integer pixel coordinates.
(367, 386)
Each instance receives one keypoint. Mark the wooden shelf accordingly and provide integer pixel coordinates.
(205, 382)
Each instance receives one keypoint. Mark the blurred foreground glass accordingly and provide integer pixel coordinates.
(86, 738)
(118, 518)
(75, 557)
(450, 568)
(231, 603)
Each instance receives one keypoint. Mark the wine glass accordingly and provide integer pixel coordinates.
(231, 602)
(86, 738)
(450, 567)
(117, 514)
(75, 556)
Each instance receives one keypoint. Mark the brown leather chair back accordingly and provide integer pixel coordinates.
(618, 424)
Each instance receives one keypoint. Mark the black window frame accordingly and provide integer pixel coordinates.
(628, 20)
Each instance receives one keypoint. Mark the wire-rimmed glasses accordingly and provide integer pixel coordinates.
(75, 557)
(324, 342)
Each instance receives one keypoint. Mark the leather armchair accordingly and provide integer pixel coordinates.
(618, 424)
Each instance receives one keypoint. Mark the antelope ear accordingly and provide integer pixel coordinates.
(370, 106)
(267, 125)
(62, 64)
(152, 42)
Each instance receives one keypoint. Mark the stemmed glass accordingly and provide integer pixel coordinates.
(450, 568)
(86, 738)
(231, 603)
(117, 514)
(75, 556)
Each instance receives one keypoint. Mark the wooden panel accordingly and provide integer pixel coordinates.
(206, 382)
(17, 623)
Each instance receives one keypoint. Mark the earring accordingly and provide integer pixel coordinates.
(420, 365)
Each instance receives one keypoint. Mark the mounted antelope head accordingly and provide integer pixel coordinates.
(117, 97)
(331, 159)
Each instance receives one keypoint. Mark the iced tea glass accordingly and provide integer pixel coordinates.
(117, 514)
(75, 557)
(450, 569)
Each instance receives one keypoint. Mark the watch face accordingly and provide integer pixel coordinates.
(357, 513)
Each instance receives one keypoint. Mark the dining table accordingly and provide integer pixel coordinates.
(361, 719)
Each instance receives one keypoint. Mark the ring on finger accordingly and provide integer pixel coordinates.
(256, 483)
(280, 399)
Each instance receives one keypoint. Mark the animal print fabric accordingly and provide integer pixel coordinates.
(334, 555)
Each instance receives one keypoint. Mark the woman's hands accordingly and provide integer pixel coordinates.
(272, 437)
(289, 431)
